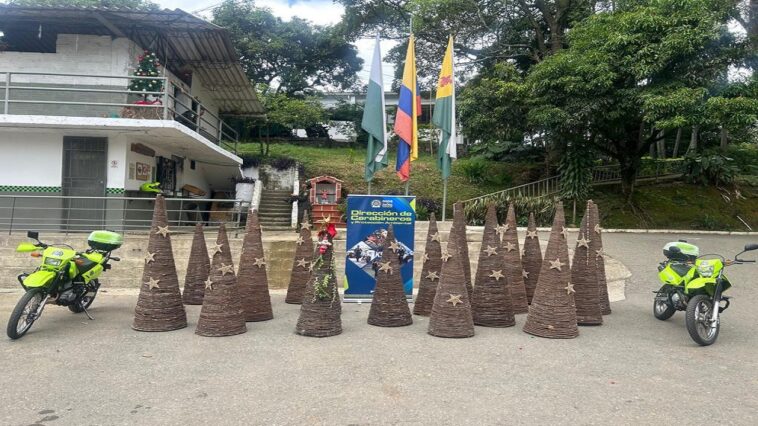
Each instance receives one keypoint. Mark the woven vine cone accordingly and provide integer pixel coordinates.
(252, 279)
(159, 305)
(491, 304)
(597, 248)
(198, 268)
(459, 225)
(301, 266)
(389, 306)
(321, 317)
(584, 277)
(513, 268)
(222, 313)
(553, 312)
(430, 271)
(532, 258)
(451, 312)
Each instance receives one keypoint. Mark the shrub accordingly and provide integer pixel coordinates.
(711, 169)
(426, 206)
(282, 163)
(474, 169)
(542, 207)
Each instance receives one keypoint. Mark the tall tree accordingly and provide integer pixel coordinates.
(131, 4)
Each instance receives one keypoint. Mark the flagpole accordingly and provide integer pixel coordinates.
(413, 107)
(369, 188)
(407, 184)
(444, 197)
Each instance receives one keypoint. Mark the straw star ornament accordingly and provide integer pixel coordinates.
(446, 256)
(525, 273)
(569, 288)
(509, 246)
(217, 248)
(394, 246)
(497, 275)
(385, 266)
(433, 275)
(491, 251)
(455, 299)
(208, 284)
(564, 233)
(302, 263)
(152, 283)
(531, 234)
(226, 269)
(557, 264)
(300, 240)
(435, 236)
(150, 257)
(426, 257)
(162, 231)
(305, 225)
(583, 242)
(260, 262)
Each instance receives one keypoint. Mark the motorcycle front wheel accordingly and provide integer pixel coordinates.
(662, 308)
(19, 322)
(699, 312)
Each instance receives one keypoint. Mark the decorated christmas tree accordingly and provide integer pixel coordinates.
(584, 276)
(222, 313)
(553, 313)
(532, 258)
(252, 280)
(491, 303)
(198, 269)
(301, 266)
(389, 307)
(148, 66)
(159, 306)
(597, 248)
(513, 268)
(459, 226)
(430, 271)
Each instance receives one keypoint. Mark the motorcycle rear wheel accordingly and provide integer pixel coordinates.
(662, 308)
(19, 322)
(699, 310)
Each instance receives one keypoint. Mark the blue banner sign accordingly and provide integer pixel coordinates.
(368, 217)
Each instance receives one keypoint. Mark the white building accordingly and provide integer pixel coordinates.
(70, 127)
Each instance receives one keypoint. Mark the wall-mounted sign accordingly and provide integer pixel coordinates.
(143, 171)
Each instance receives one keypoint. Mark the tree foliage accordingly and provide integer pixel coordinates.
(129, 4)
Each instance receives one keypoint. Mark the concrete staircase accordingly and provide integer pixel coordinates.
(275, 210)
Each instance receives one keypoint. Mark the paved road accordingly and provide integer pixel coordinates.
(633, 369)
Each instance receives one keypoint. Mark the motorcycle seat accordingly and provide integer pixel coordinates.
(681, 268)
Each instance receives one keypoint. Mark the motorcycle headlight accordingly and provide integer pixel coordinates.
(705, 269)
(52, 262)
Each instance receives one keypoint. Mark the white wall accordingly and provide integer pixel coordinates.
(117, 165)
(30, 159)
(187, 176)
(76, 54)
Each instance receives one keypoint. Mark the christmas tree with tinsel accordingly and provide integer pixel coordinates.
(147, 67)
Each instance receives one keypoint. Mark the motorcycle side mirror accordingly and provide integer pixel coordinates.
(33, 235)
(752, 246)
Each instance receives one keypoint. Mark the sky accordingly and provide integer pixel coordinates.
(320, 12)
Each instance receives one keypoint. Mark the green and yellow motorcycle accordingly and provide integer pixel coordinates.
(695, 284)
(65, 277)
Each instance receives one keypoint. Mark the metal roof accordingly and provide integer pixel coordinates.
(179, 38)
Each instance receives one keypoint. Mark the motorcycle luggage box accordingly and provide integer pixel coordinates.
(105, 240)
(686, 253)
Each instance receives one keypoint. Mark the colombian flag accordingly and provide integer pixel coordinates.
(408, 110)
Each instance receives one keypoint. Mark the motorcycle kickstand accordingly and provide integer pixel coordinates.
(87, 313)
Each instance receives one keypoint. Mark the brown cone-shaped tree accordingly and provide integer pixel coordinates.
(198, 269)
(430, 271)
(584, 276)
(597, 249)
(159, 305)
(513, 268)
(222, 313)
(320, 313)
(252, 280)
(389, 306)
(451, 312)
(301, 265)
(491, 303)
(459, 225)
(532, 258)
(553, 313)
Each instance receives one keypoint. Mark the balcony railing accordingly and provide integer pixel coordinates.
(81, 95)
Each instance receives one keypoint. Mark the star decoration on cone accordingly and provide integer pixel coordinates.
(509, 246)
(300, 240)
(564, 232)
(302, 262)
(162, 231)
(325, 220)
(455, 299)
(208, 284)
(435, 236)
(305, 225)
(394, 246)
(500, 229)
(217, 248)
(597, 228)
(446, 256)
(260, 262)
(497, 274)
(569, 288)
(531, 234)
(426, 257)
(226, 269)
(525, 273)
(598, 254)
(432, 275)
(490, 250)
(556, 264)
(583, 242)
(152, 283)
(385, 266)
(150, 257)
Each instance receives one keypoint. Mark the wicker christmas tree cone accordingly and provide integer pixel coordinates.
(491, 304)
(301, 266)
(320, 313)
(389, 307)
(584, 277)
(222, 313)
(553, 312)
(198, 268)
(430, 272)
(513, 268)
(451, 312)
(459, 225)
(597, 249)
(252, 280)
(532, 258)
(159, 306)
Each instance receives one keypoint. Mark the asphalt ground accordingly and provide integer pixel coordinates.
(633, 369)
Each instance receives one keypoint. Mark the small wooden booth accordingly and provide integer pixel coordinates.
(325, 195)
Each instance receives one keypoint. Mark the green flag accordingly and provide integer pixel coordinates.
(444, 114)
(375, 119)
